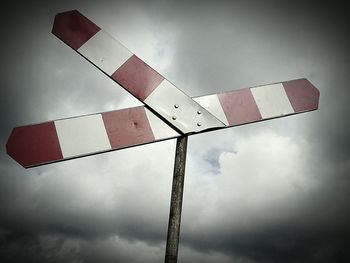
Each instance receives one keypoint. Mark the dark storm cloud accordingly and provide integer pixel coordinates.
(305, 222)
(317, 230)
(82, 212)
(312, 229)
(256, 40)
(282, 243)
(38, 219)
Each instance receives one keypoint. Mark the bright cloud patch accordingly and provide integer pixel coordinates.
(262, 180)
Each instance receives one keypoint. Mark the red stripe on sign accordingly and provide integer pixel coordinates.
(302, 94)
(128, 127)
(239, 106)
(34, 144)
(74, 28)
(137, 77)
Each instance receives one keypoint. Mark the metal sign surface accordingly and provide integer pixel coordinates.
(172, 113)
(60, 140)
(133, 74)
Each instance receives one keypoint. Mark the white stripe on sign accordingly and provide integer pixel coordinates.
(272, 100)
(82, 135)
(212, 104)
(180, 110)
(105, 52)
(160, 129)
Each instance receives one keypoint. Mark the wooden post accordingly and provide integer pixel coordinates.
(172, 244)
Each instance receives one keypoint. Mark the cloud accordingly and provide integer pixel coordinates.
(273, 191)
(267, 201)
(95, 197)
(57, 248)
(259, 176)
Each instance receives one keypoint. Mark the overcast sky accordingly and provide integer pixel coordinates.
(274, 191)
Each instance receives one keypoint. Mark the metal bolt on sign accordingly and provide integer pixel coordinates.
(167, 113)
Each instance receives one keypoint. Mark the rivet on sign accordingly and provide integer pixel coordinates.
(176, 106)
(199, 112)
(174, 117)
(102, 59)
(199, 124)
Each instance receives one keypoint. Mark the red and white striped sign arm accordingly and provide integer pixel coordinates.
(263, 102)
(133, 74)
(59, 140)
(54, 141)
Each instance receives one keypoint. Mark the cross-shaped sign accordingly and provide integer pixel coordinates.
(167, 112)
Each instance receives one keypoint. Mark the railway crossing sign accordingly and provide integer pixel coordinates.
(167, 112)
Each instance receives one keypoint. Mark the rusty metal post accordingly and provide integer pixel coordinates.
(172, 244)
